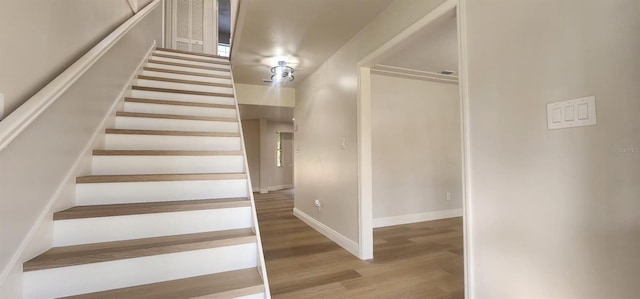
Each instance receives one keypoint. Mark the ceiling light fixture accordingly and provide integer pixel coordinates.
(282, 73)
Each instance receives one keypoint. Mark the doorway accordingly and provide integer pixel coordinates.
(424, 160)
(269, 143)
(191, 25)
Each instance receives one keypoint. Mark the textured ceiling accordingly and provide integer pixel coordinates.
(305, 32)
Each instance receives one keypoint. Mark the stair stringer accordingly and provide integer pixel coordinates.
(262, 269)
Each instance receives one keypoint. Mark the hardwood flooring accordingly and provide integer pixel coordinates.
(421, 260)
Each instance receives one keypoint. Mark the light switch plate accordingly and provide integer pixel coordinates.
(572, 113)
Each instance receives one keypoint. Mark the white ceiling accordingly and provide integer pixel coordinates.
(432, 49)
(273, 113)
(305, 32)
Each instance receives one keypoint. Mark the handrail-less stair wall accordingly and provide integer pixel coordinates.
(90, 151)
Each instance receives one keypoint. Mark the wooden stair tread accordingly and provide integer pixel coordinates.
(190, 58)
(171, 133)
(109, 251)
(230, 284)
(164, 153)
(182, 91)
(192, 53)
(178, 103)
(175, 116)
(194, 66)
(80, 212)
(155, 69)
(132, 178)
(155, 78)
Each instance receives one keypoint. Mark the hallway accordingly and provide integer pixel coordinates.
(421, 260)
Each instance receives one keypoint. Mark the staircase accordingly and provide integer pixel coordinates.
(167, 211)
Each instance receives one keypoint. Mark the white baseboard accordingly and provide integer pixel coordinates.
(413, 218)
(281, 187)
(328, 232)
(274, 188)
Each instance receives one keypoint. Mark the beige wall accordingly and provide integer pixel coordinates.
(251, 133)
(260, 141)
(277, 177)
(265, 95)
(553, 213)
(415, 147)
(40, 39)
(34, 166)
(326, 113)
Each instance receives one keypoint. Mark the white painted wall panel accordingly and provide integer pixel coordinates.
(107, 229)
(166, 164)
(183, 86)
(187, 69)
(143, 123)
(162, 142)
(178, 110)
(207, 64)
(186, 77)
(191, 56)
(155, 95)
(116, 193)
(59, 282)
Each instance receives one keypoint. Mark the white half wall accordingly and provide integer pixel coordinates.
(416, 150)
(553, 213)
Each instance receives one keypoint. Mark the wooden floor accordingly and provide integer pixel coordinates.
(422, 260)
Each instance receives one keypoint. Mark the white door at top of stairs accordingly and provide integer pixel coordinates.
(193, 25)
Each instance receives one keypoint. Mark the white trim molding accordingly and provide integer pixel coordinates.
(21, 118)
(133, 4)
(413, 218)
(328, 232)
(387, 70)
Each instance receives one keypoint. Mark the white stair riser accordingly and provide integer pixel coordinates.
(162, 142)
(190, 62)
(187, 69)
(190, 56)
(179, 110)
(67, 281)
(105, 165)
(134, 192)
(143, 123)
(117, 228)
(186, 77)
(183, 86)
(169, 96)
